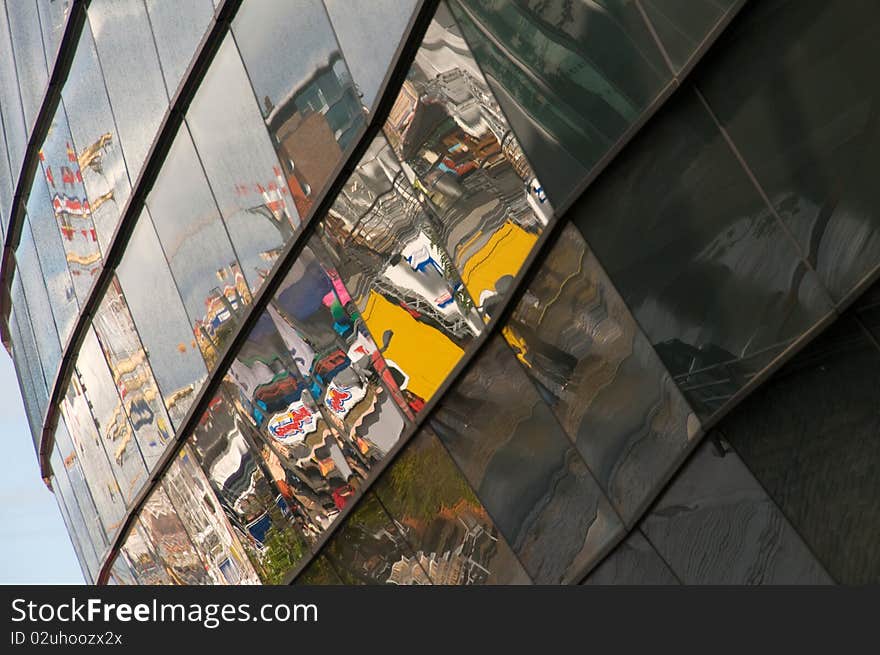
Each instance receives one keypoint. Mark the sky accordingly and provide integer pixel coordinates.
(34, 545)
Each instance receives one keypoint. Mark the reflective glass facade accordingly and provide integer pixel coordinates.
(459, 292)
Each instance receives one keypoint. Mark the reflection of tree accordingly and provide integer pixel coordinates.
(283, 549)
(422, 481)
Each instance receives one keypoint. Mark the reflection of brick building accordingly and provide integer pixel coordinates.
(309, 153)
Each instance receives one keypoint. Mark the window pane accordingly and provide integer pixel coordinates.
(27, 362)
(242, 472)
(513, 453)
(110, 418)
(7, 190)
(10, 107)
(132, 74)
(77, 526)
(209, 529)
(241, 165)
(461, 160)
(142, 559)
(196, 245)
(59, 167)
(30, 61)
(94, 132)
(178, 27)
(613, 397)
(132, 374)
(389, 250)
(683, 25)
(53, 20)
(443, 521)
(147, 285)
(307, 97)
(369, 33)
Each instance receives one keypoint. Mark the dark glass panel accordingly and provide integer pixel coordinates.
(30, 61)
(178, 28)
(250, 484)
(509, 446)
(683, 25)
(462, 162)
(794, 85)
(131, 72)
(241, 166)
(196, 245)
(632, 562)
(452, 536)
(591, 363)
(369, 550)
(307, 97)
(160, 319)
(370, 34)
(31, 274)
(389, 250)
(69, 205)
(106, 408)
(713, 279)
(189, 491)
(132, 374)
(715, 525)
(810, 437)
(93, 127)
(572, 77)
(318, 572)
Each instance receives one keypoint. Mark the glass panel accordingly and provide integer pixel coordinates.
(240, 165)
(189, 491)
(633, 562)
(803, 114)
(583, 350)
(121, 573)
(147, 284)
(389, 250)
(713, 279)
(53, 20)
(463, 163)
(77, 526)
(88, 449)
(715, 525)
(809, 436)
(140, 557)
(24, 349)
(131, 72)
(308, 99)
(10, 107)
(197, 248)
(242, 473)
(342, 366)
(178, 27)
(370, 34)
(433, 507)
(93, 127)
(110, 417)
(70, 205)
(508, 445)
(28, 269)
(80, 488)
(30, 61)
(572, 77)
(132, 374)
(71, 533)
(53, 259)
(7, 190)
(170, 541)
(318, 572)
(26, 383)
(683, 25)
(369, 550)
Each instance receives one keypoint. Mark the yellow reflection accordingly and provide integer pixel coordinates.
(502, 254)
(419, 350)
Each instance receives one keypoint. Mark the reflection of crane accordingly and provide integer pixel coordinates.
(92, 155)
